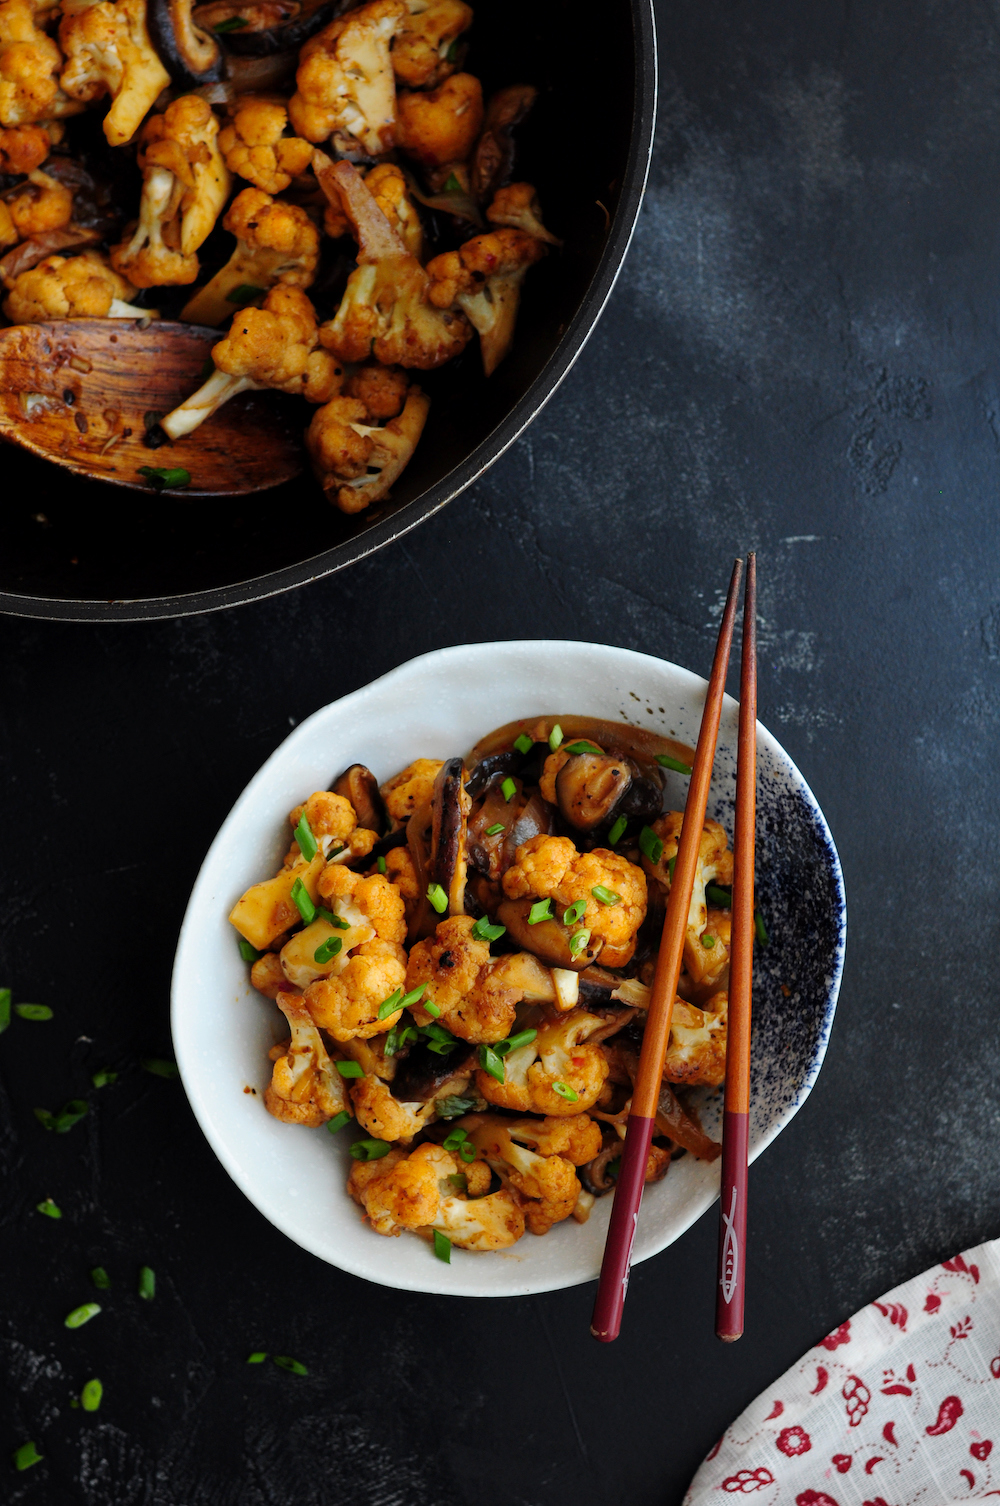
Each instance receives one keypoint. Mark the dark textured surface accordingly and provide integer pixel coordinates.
(801, 356)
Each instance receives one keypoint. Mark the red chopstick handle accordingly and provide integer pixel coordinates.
(732, 1227)
(610, 1302)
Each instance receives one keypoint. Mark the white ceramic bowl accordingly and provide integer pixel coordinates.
(437, 706)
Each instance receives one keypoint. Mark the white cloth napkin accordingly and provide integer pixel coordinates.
(899, 1406)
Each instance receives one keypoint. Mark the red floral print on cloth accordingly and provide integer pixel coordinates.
(903, 1398)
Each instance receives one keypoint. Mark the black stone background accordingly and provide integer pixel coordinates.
(800, 357)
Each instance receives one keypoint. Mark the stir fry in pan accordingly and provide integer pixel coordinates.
(463, 956)
(325, 181)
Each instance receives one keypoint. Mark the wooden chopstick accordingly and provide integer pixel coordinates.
(613, 1284)
(736, 1116)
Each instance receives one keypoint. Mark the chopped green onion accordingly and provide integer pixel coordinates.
(350, 1068)
(666, 762)
(451, 56)
(491, 1063)
(159, 1066)
(33, 1011)
(578, 941)
(574, 913)
(100, 1278)
(555, 737)
(605, 896)
(671, 865)
(434, 1010)
(390, 1005)
(451, 183)
(70, 1113)
(90, 1396)
(454, 1139)
(565, 1091)
(302, 902)
(327, 950)
(82, 1314)
(245, 293)
(5, 998)
(760, 929)
(522, 1038)
(491, 831)
(583, 746)
(147, 1283)
(308, 846)
(103, 1077)
(508, 789)
(294, 1367)
(721, 898)
(614, 1167)
(397, 1039)
(467, 1152)
(442, 1247)
(49, 1208)
(523, 744)
(331, 919)
(483, 930)
(650, 845)
(232, 23)
(162, 476)
(414, 996)
(380, 864)
(257, 1358)
(452, 1106)
(338, 1121)
(540, 910)
(370, 1150)
(26, 1456)
(247, 952)
(617, 831)
(441, 1041)
(437, 897)
(459, 1181)
(707, 940)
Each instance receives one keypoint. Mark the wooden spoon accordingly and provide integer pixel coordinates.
(80, 392)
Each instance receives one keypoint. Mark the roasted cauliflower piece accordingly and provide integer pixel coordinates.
(703, 962)
(560, 1072)
(275, 346)
(344, 84)
(546, 1187)
(255, 147)
(415, 1192)
(483, 279)
(29, 66)
(40, 205)
(551, 868)
(385, 1117)
(275, 243)
(355, 461)
(347, 1005)
(696, 1053)
(517, 206)
(185, 184)
(476, 994)
(74, 287)
(385, 310)
(441, 127)
(331, 819)
(23, 148)
(411, 788)
(306, 1087)
(267, 910)
(108, 51)
(373, 895)
(577, 1138)
(268, 976)
(423, 52)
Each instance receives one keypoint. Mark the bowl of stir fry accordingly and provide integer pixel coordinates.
(411, 984)
(381, 219)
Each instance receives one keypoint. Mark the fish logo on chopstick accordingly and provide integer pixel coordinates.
(730, 1253)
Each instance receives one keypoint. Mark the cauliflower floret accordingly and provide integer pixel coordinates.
(385, 310)
(42, 204)
(400, 870)
(255, 146)
(483, 278)
(560, 1072)
(372, 894)
(696, 1053)
(415, 1193)
(331, 819)
(268, 976)
(23, 148)
(185, 184)
(345, 85)
(422, 51)
(546, 1186)
(715, 866)
(108, 51)
(517, 205)
(551, 868)
(576, 1138)
(305, 1087)
(387, 185)
(29, 66)
(384, 1116)
(347, 1005)
(357, 462)
(75, 287)
(275, 243)
(476, 999)
(412, 787)
(441, 127)
(270, 347)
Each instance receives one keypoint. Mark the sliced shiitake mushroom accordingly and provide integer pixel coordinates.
(546, 939)
(190, 54)
(261, 28)
(450, 806)
(359, 785)
(424, 1074)
(589, 786)
(492, 163)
